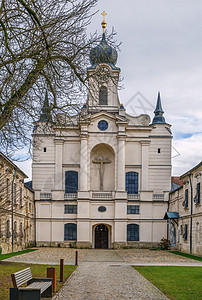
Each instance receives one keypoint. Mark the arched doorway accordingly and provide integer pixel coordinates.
(101, 237)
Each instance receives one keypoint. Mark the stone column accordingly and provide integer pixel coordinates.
(83, 186)
(58, 164)
(121, 164)
(145, 164)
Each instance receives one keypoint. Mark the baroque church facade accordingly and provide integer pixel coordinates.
(103, 179)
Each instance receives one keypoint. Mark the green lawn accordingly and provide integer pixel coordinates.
(8, 255)
(199, 258)
(6, 268)
(180, 283)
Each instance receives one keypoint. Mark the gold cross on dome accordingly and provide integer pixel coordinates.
(103, 14)
(104, 24)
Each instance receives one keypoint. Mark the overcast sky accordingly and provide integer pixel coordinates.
(161, 51)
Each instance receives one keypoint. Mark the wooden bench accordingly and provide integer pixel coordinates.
(35, 289)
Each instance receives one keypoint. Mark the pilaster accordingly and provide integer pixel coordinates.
(145, 164)
(84, 163)
(121, 163)
(58, 164)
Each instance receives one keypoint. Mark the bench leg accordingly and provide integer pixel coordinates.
(47, 293)
(29, 294)
(13, 293)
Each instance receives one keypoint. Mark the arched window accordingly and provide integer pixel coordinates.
(8, 229)
(70, 232)
(21, 232)
(132, 182)
(71, 182)
(132, 232)
(103, 96)
(15, 229)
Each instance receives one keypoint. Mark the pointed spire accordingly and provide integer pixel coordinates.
(158, 112)
(45, 111)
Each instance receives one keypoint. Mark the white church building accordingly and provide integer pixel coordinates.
(102, 180)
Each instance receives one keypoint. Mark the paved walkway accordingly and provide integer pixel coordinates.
(106, 274)
(107, 281)
(136, 257)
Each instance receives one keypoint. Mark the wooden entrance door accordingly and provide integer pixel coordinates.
(101, 237)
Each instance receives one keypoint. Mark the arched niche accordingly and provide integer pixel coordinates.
(102, 168)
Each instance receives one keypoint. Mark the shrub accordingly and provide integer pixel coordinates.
(164, 244)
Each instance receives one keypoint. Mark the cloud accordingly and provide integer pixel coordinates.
(190, 154)
(26, 167)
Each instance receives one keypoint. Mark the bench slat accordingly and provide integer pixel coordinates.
(21, 277)
(39, 285)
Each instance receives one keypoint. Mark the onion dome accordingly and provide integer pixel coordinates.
(103, 53)
(159, 118)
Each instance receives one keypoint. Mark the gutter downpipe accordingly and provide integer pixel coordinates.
(12, 227)
(189, 175)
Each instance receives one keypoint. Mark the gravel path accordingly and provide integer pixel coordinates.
(106, 274)
(50, 256)
(98, 281)
(142, 257)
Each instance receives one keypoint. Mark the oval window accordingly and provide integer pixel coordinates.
(102, 209)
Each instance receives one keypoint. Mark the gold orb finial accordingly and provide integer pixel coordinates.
(104, 24)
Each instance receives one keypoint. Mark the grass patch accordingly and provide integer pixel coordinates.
(8, 255)
(7, 268)
(199, 258)
(177, 283)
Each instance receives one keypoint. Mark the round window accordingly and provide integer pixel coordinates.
(102, 209)
(103, 125)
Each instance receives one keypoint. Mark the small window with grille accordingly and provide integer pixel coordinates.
(133, 209)
(70, 209)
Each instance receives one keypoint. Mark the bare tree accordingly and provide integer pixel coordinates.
(43, 46)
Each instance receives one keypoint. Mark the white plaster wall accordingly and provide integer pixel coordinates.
(159, 210)
(83, 209)
(38, 149)
(58, 231)
(108, 214)
(145, 231)
(43, 177)
(120, 229)
(159, 231)
(71, 153)
(159, 179)
(43, 231)
(43, 210)
(162, 158)
(133, 153)
(120, 209)
(83, 233)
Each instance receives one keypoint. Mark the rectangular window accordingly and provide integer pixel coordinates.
(185, 232)
(133, 209)
(30, 207)
(21, 197)
(8, 189)
(185, 202)
(71, 181)
(15, 193)
(198, 190)
(70, 209)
